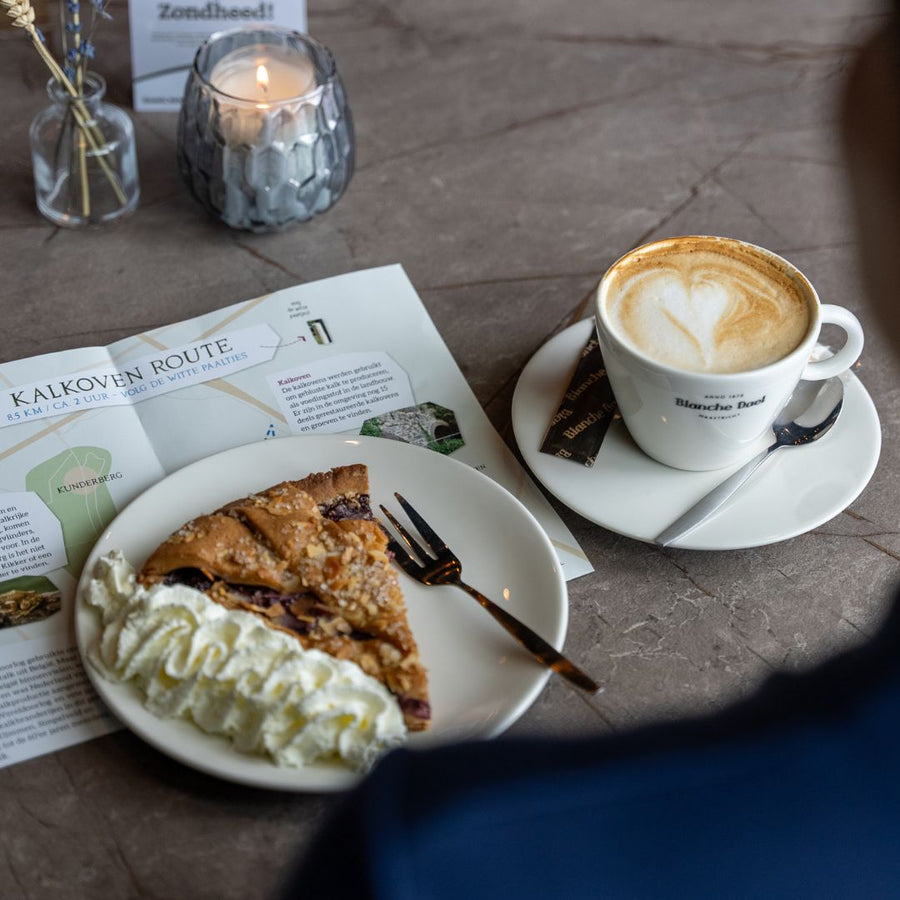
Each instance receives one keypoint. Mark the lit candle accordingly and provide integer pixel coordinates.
(262, 75)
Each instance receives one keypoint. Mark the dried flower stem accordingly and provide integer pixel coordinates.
(79, 68)
(79, 110)
(83, 173)
(22, 14)
(79, 87)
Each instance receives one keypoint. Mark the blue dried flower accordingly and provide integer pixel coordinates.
(86, 49)
(72, 27)
(72, 55)
(72, 6)
(69, 72)
(100, 8)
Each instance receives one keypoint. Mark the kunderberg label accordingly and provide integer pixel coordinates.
(139, 379)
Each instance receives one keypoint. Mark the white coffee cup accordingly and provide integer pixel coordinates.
(704, 340)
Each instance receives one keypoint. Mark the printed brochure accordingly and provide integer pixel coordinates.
(83, 432)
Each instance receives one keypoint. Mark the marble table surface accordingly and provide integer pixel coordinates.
(508, 153)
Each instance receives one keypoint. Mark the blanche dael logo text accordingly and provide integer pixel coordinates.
(215, 10)
(719, 407)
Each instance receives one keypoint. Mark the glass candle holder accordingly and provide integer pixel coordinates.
(265, 135)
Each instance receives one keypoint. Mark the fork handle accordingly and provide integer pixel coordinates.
(534, 643)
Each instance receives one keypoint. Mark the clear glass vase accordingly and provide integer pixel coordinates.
(84, 158)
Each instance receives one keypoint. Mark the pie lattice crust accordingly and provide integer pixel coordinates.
(309, 559)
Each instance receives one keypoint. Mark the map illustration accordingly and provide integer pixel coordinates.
(73, 484)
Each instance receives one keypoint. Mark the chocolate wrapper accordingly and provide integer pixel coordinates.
(586, 411)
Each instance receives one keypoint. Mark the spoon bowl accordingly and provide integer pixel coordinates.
(812, 409)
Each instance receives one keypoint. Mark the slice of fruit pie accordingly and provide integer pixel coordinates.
(308, 558)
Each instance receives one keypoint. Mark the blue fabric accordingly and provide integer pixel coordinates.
(795, 793)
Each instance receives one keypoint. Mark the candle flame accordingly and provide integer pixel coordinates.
(262, 78)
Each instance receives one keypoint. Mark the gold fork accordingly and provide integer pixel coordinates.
(442, 566)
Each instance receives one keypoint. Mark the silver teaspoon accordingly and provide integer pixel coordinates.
(812, 410)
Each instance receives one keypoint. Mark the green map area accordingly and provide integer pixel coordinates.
(72, 484)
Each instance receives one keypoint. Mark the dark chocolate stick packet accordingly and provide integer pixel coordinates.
(586, 410)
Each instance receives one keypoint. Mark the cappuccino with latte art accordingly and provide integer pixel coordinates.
(704, 339)
(707, 305)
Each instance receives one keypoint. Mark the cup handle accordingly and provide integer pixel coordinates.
(848, 354)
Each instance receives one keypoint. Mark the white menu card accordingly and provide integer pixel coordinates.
(165, 36)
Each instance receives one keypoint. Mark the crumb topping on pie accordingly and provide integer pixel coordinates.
(308, 557)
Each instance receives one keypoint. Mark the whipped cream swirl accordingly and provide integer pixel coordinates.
(232, 675)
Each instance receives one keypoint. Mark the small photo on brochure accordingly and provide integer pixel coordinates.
(427, 425)
(28, 599)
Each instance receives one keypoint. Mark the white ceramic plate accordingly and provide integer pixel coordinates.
(631, 494)
(481, 681)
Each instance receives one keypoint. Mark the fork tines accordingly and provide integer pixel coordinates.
(435, 542)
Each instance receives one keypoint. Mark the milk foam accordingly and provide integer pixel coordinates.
(706, 305)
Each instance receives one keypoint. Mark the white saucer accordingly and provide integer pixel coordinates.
(631, 494)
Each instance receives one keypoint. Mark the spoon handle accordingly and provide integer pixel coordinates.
(713, 500)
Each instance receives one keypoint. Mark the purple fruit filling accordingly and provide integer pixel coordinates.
(421, 709)
(312, 611)
(192, 578)
(357, 507)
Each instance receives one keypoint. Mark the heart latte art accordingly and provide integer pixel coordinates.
(705, 307)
